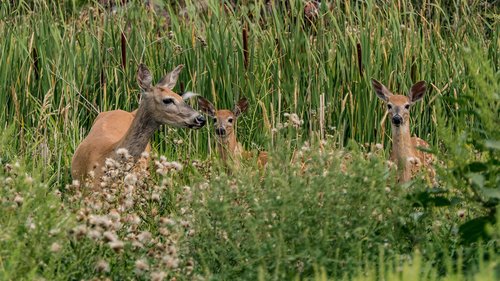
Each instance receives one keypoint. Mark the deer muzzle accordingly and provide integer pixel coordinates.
(220, 131)
(199, 121)
(397, 120)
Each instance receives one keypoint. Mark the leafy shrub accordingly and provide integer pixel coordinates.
(335, 209)
(471, 146)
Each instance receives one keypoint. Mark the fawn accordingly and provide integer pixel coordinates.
(225, 121)
(132, 131)
(405, 152)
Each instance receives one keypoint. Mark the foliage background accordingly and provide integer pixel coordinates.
(63, 62)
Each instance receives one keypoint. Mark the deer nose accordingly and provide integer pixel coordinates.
(220, 131)
(397, 120)
(200, 119)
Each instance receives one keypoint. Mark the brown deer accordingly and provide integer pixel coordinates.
(405, 152)
(116, 129)
(228, 147)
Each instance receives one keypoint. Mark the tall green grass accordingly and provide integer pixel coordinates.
(62, 64)
(341, 216)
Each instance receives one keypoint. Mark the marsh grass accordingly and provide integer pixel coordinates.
(63, 64)
(335, 213)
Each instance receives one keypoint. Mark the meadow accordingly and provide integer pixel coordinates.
(337, 215)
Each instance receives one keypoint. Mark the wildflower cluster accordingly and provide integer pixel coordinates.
(30, 219)
(127, 214)
(293, 121)
(12, 199)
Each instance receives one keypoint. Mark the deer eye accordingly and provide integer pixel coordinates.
(168, 101)
(215, 119)
(230, 120)
(407, 106)
(389, 106)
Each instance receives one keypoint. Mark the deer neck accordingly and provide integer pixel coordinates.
(140, 132)
(226, 146)
(402, 149)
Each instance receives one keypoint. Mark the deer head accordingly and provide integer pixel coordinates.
(224, 120)
(164, 105)
(398, 106)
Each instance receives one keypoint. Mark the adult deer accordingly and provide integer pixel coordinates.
(405, 152)
(228, 147)
(132, 131)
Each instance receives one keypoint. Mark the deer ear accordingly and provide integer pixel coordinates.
(382, 92)
(144, 78)
(417, 91)
(241, 106)
(169, 80)
(206, 106)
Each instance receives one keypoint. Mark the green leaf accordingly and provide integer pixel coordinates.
(492, 144)
(491, 193)
(425, 199)
(476, 180)
(477, 167)
(437, 190)
(474, 229)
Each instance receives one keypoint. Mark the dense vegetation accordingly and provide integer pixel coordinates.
(337, 213)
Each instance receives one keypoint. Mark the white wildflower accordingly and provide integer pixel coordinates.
(94, 234)
(30, 224)
(141, 265)
(8, 180)
(134, 219)
(167, 221)
(116, 245)
(18, 199)
(80, 230)
(129, 203)
(413, 160)
(55, 247)
(295, 120)
(130, 179)
(123, 152)
(114, 215)
(110, 163)
(171, 262)
(110, 236)
(176, 165)
(102, 266)
(144, 237)
(155, 196)
(158, 276)
(28, 180)
(102, 221)
(137, 244)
